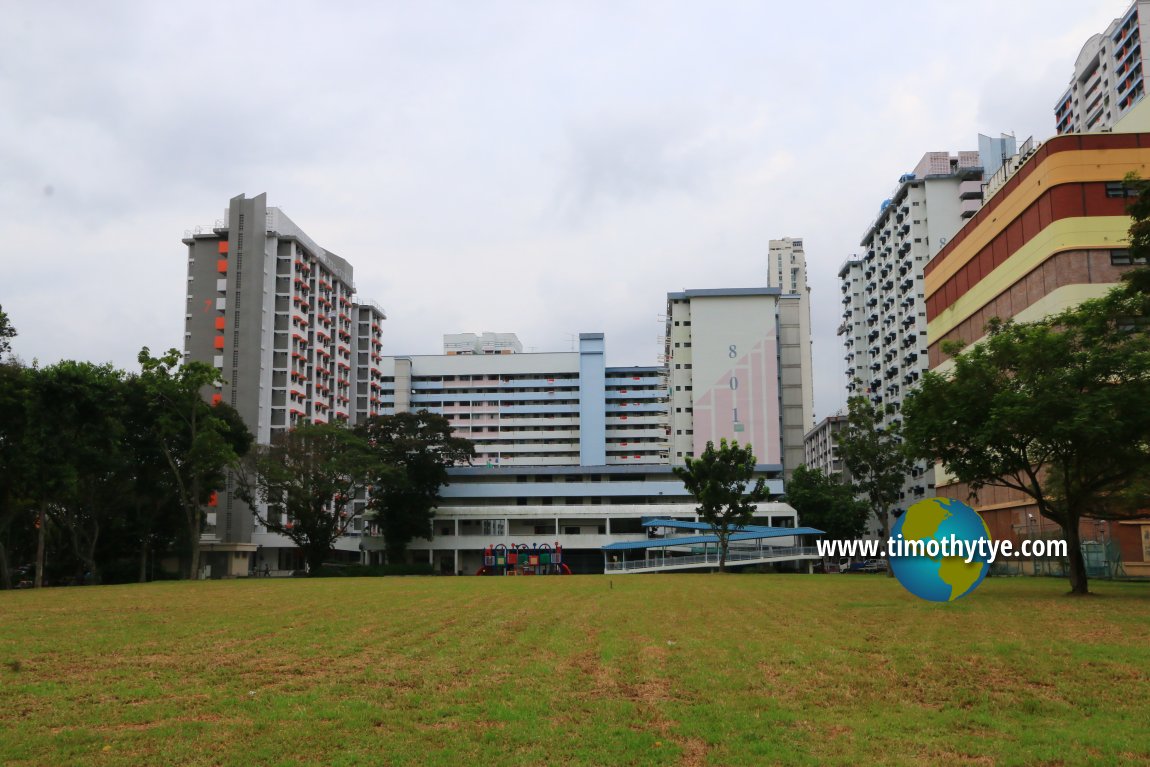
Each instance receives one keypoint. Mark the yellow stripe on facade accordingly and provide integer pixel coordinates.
(1053, 302)
(1065, 234)
(1067, 167)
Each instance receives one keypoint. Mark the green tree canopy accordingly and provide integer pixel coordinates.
(826, 503)
(1055, 409)
(7, 333)
(306, 479)
(14, 459)
(874, 456)
(76, 415)
(718, 479)
(413, 452)
(198, 441)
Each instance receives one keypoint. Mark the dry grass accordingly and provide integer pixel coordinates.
(656, 670)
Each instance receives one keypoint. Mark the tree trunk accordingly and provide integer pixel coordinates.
(722, 553)
(5, 521)
(1076, 563)
(42, 521)
(5, 572)
(395, 554)
(884, 520)
(194, 559)
(315, 559)
(195, 523)
(90, 556)
(143, 562)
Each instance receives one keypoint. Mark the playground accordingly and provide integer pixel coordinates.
(537, 559)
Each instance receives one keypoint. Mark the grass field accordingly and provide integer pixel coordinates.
(594, 670)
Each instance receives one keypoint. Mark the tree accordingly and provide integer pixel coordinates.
(718, 479)
(1055, 409)
(826, 503)
(413, 452)
(153, 518)
(74, 441)
(305, 479)
(7, 333)
(14, 464)
(198, 441)
(13, 410)
(874, 456)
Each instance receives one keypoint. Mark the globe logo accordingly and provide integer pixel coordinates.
(936, 553)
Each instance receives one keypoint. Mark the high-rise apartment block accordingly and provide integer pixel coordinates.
(276, 314)
(1108, 81)
(787, 271)
(537, 409)
(735, 359)
(884, 317)
(821, 446)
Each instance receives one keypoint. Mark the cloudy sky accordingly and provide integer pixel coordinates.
(545, 168)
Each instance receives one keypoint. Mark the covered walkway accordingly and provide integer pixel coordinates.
(746, 546)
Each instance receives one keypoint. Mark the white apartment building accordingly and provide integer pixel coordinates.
(731, 355)
(884, 316)
(580, 454)
(1109, 77)
(821, 447)
(537, 409)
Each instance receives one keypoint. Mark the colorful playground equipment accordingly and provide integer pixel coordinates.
(521, 559)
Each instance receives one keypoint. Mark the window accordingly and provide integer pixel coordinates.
(1122, 257)
(1120, 189)
(493, 527)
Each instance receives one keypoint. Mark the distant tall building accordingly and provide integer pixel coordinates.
(787, 270)
(884, 317)
(1108, 81)
(822, 448)
(277, 316)
(572, 451)
(537, 409)
(726, 351)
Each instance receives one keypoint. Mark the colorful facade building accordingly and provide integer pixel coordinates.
(1053, 234)
(278, 316)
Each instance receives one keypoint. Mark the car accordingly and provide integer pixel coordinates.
(867, 566)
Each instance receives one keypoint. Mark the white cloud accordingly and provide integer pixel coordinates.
(546, 169)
